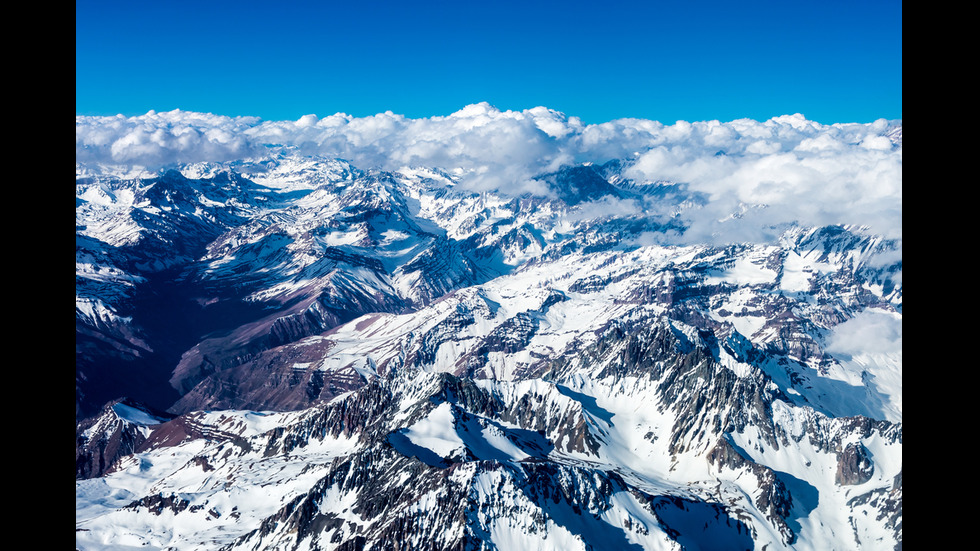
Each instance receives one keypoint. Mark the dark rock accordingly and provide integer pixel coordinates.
(854, 465)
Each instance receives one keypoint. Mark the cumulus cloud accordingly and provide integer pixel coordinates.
(869, 332)
(156, 139)
(781, 171)
(758, 175)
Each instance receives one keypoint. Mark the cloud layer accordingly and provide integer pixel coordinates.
(868, 332)
(786, 169)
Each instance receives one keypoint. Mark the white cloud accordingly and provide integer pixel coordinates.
(782, 171)
(869, 332)
(159, 139)
(787, 169)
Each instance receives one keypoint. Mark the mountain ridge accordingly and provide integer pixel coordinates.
(551, 370)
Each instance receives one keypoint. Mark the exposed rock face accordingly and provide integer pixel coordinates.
(774, 499)
(158, 503)
(854, 465)
(281, 378)
(119, 431)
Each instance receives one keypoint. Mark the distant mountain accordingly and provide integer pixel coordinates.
(368, 359)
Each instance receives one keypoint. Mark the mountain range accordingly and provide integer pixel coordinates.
(292, 352)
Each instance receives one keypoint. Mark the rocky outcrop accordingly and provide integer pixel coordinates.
(774, 499)
(156, 504)
(854, 465)
(102, 441)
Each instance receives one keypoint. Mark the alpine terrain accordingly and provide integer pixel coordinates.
(293, 351)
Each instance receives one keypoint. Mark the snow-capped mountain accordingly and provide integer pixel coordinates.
(389, 359)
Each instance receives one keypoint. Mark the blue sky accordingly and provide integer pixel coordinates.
(833, 61)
